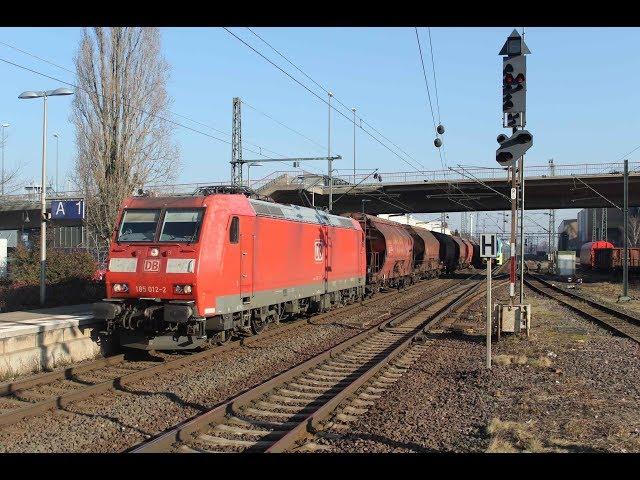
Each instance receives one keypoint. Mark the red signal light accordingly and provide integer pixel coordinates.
(508, 79)
(520, 78)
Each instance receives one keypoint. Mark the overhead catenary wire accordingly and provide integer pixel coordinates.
(435, 84)
(323, 147)
(426, 82)
(325, 90)
(435, 81)
(319, 97)
(62, 67)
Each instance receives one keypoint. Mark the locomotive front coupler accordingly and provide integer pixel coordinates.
(179, 312)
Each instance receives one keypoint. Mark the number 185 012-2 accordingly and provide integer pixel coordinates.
(150, 289)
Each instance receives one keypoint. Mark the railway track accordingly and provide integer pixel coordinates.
(279, 414)
(34, 395)
(615, 320)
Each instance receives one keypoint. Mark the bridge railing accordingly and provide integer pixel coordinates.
(346, 177)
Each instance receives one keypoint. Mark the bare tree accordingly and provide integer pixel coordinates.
(9, 179)
(9, 182)
(120, 109)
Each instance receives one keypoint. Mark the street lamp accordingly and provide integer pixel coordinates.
(57, 158)
(330, 166)
(249, 165)
(364, 221)
(364, 200)
(354, 144)
(43, 186)
(4, 139)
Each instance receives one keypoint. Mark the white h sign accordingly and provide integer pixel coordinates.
(489, 249)
(488, 245)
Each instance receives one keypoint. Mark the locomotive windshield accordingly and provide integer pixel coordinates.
(181, 225)
(138, 225)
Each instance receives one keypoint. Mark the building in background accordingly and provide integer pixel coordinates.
(568, 235)
(588, 232)
(408, 219)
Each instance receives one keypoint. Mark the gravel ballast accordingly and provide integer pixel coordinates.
(571, 387)
(121, 419)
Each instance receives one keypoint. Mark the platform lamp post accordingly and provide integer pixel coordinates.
(4, 140)
(354, 144)
(330, 166)
(625, 237)
(43, 185)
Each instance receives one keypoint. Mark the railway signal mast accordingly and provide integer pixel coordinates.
(511, 150)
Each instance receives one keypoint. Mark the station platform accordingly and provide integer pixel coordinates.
(36, 340)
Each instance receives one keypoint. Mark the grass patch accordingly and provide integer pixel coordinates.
(509, 437)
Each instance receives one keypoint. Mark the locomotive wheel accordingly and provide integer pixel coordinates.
(257, 325)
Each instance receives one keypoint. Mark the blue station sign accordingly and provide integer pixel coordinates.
(67, 209)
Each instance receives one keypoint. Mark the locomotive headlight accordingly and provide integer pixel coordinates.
(154, 252)
(120, 287)
(183, 289)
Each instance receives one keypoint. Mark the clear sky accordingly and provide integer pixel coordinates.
(580, 103)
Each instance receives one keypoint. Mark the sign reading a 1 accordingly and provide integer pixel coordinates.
(488, 245)
(67, 209)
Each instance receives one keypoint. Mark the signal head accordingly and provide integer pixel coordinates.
(437, 142)
(504, 157)
(525, 137)
(501, 138)
(440, 129)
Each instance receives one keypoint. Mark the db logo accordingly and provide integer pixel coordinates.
(318, 251)
(151, 266)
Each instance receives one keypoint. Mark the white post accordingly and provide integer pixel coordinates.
(489, 312)
(43, 207)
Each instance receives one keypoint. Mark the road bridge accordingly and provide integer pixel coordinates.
(454, 190)
(458, 189)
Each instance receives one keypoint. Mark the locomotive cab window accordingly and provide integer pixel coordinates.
(138, 226)
(181, 225)
(234, 230)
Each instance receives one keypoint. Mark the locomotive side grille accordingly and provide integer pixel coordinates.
(260, 208)
(300, 214)
(274, 210)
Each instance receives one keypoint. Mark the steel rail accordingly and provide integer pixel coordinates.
(613, 319)
(61, 401)
(184, 431)
(312, 423)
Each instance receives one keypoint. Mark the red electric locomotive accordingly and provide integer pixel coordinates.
(186, 270)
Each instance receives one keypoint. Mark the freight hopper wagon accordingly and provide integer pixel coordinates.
(426, 252)
(389, 248)
(186, 270)
(449, 251)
